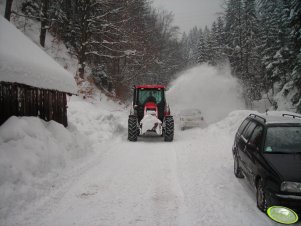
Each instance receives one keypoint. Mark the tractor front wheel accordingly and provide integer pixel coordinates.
(133, 130)
(169, 129)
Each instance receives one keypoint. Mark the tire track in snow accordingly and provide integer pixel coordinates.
(168, 201)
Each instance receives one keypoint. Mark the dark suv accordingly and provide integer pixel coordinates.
(267, 151)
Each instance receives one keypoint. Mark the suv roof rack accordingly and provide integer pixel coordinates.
(257, 116)
(294, 116)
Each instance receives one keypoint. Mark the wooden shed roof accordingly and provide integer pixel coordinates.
(22, 61)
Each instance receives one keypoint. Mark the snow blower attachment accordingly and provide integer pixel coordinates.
(150, 113)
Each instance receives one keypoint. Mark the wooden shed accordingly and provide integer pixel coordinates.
(31, 82)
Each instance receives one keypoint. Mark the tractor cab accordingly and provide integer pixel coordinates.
(150, 113)
(149, 99)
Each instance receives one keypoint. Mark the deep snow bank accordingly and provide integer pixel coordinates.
(214, 91)
(99, 120)
(31, 152)
(35, 153)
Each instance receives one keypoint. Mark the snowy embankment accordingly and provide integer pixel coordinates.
(34, 153)
(99, 120)
(31, 152)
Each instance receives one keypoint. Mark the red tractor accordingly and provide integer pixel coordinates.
(150, 113)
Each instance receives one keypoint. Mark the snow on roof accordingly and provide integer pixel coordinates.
(22, 61)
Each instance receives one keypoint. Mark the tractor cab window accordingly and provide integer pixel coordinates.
(150, 95)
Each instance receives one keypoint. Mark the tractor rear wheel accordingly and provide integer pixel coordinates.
(133, 130)
(169, 129)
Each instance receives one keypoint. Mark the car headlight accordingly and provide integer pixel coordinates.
(291, 186)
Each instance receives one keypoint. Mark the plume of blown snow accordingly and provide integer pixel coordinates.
(214, 91)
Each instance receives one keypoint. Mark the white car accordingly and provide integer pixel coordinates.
(190, 118)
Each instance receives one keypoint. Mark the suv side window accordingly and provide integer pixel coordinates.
(256, 137)
(248, 131)
(242, 126)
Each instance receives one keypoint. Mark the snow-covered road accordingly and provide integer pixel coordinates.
(90, 174)
(187, 182)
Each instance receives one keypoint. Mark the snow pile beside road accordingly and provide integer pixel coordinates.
(214, 91)
(34, 154)
(31, 152)
(230, 124)
(100, 120)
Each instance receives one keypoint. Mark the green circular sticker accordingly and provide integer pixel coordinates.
(282, 215)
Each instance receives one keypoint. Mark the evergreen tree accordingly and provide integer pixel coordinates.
(234, 35)
(269, 15)
(220, 38)
(202, 57)
(295, 24)
(193, 42)
(251, 60)
(209, 45)
(213, 43)
(185, 48)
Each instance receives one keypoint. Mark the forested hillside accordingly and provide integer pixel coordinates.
(120, 43)
(117, 43)
(261, 40)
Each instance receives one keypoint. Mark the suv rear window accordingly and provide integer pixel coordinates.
(257, 136)
(248, 131)
(242, 126)
(283, 140)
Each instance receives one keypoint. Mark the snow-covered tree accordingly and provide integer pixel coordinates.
(295, 24)
(220, 39)
(202, 55)
(270, 45)
(211, 46)
(250, 42)
(210, 42)
(234, 35)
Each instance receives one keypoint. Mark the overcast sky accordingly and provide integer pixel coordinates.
(190, 13)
